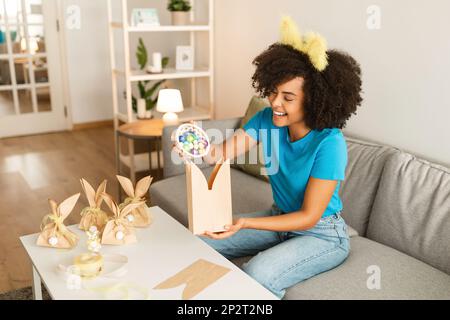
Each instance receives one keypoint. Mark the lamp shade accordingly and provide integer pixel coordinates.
(169, 100)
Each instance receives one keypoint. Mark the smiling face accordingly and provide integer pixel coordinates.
(287, 103)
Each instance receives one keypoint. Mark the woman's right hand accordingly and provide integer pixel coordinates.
(183, 156)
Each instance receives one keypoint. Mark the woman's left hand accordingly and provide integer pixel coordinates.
(231, 229)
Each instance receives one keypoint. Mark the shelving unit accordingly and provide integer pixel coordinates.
(192, 110)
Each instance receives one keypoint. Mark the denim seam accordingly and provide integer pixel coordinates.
(338, 235)
(275, 280)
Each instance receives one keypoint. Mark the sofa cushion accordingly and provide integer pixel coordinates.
(411, 211)
(401, 276)
(252, 161)
(352, 232)
(249, 194)
(365, 163)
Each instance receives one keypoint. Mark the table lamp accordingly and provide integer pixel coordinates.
(169, 102)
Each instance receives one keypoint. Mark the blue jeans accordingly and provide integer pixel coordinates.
(282, 259)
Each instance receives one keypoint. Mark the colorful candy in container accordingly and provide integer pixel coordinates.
(192, 140)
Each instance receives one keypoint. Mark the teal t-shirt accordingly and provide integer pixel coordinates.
(320, 154)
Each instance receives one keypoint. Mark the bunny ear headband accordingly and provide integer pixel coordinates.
(312, 44)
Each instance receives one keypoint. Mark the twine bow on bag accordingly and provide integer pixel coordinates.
(93, 215)
(118, 229)
(54, 233)
(138, 217)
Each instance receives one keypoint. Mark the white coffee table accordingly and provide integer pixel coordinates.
(163, 249)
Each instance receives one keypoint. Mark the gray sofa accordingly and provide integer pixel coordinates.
(396, 205)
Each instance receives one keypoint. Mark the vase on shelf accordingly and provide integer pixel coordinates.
(142, 112)
(180, 18)
(148, 114)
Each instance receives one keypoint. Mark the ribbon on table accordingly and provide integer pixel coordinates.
(123, 287)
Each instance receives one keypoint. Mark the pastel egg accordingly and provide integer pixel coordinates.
(190, 138)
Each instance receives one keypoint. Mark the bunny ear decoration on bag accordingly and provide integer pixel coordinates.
(93, 215)
(98, 194)
(66, 207)
(142, 186)
(94, 197)
(109, 200)
(89, 191)
(139, 216)
(127, 185)
(54, 233)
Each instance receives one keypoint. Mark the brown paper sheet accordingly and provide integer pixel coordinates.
(197, 277)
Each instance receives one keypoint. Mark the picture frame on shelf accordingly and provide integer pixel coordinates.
(144, 17)
(185, 58)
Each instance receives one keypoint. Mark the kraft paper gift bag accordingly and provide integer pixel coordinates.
(139, 217)
(118, 230)
(209, 202)
(93, 215)
(54, 233)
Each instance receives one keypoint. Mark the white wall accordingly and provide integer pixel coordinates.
(405, 64)
(88, 63)
(406, 69)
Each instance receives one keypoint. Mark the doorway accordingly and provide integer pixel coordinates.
(31, 82)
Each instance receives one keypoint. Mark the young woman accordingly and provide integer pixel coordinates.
(312, 93)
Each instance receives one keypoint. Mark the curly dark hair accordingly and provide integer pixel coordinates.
(331, 96)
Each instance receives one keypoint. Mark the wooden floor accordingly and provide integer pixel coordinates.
(35, 168)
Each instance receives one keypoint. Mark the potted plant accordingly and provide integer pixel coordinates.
(146, 92)
(180, 11)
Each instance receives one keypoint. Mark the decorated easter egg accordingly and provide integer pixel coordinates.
(192, 140)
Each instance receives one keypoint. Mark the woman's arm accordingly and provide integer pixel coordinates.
(236, 145)
(317, 196)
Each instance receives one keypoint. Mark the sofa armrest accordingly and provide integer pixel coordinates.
(217, 130)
